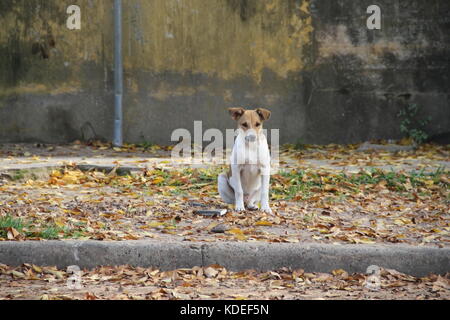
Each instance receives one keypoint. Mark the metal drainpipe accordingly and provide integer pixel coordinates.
(118, 74)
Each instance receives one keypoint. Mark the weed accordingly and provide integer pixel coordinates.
(10, 222)
(411, 125)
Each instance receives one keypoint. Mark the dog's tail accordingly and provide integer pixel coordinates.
(225, 190)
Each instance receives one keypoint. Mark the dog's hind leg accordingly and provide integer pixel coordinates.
(253, 200)
(225, 190)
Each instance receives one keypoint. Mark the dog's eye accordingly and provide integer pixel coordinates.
(258, 124)
(245, 125)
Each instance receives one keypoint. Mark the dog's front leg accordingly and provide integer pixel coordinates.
(265, 184)
(237, 186)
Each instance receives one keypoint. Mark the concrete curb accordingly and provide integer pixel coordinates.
(413, 260)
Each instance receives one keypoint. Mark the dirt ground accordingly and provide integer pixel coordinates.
(311, 201)
(126, 283)
(326, 194)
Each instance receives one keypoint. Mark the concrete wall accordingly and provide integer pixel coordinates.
(312, 62)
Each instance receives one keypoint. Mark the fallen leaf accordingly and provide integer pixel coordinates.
(12, 233)
(263, 223)
(211, 272)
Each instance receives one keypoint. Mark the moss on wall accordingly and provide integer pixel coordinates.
(229, 39)
(219, 38)
(38, 54)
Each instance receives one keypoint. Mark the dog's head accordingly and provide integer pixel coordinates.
(250, 121)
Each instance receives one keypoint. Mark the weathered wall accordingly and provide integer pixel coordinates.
(54, 81)
(312, 62)
(361, 78)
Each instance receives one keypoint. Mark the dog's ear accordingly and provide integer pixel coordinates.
(263, 114)
(236, 113)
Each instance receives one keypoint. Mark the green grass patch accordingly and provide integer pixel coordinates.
(52, 232)
(18, 175)
(302, 185)
(10, 222)
(298, 184)
(29, 230)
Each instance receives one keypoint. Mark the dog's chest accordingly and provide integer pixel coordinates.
(251, 156)
(251, 159)
(250, 176)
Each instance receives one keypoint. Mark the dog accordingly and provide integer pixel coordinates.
(247, 182)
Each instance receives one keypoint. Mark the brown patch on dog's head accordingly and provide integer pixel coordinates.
(250, 119)
(236, 113)
(264, 114)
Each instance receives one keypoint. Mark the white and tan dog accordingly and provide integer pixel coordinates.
(247, 183)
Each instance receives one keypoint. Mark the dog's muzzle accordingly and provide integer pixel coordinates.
(250, 137)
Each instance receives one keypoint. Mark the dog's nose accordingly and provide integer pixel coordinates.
(250, 138)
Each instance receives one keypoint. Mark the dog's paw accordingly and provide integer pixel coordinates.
(252, 208)
(239, 208)
(266, 209)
